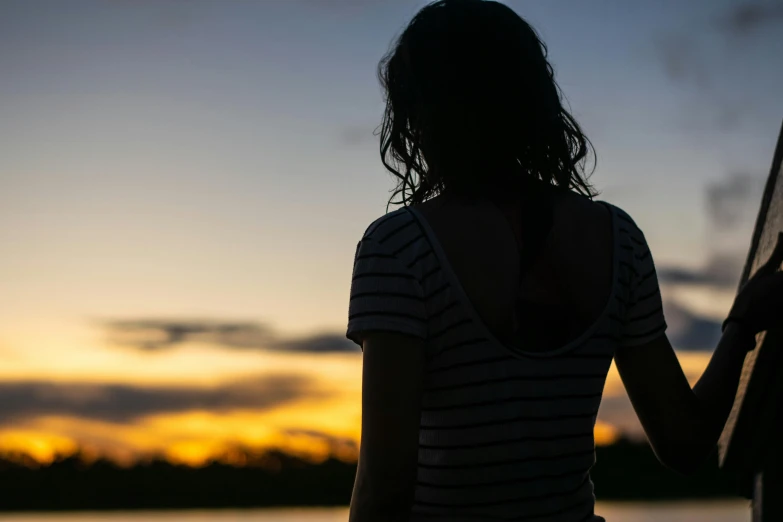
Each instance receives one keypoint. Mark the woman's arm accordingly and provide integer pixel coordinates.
(392, 383)
(683, 424)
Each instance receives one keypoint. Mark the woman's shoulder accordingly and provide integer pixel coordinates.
(629, 239)
(387, 224)
(621, 214)
(397, 242)
(398, 234)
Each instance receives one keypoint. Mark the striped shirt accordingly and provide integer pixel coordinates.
(505, 434)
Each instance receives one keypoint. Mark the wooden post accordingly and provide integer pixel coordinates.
(750, 446)
(768, 482)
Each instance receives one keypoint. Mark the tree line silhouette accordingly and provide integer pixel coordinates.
(625, 470)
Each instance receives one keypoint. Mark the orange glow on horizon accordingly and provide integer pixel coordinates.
(43, 447)
(191, 446)
(313, 427)
(605, 434)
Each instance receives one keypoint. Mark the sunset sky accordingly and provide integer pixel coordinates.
(183, 184)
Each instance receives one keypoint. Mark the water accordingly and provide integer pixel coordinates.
(719, 511)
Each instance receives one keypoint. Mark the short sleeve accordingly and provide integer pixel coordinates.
(644, 320)
(385, 295)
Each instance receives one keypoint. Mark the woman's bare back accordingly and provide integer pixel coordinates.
(574, 269)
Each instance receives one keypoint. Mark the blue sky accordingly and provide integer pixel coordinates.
(215, 159)
(193, 145)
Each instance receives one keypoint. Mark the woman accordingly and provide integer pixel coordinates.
(490, 306)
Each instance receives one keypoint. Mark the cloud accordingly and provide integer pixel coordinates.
(731, 209)
(731, 206)
(322, 436)
(749, 17)
(322, 343)
(160, 334)
(688, 331)
(719, 273)
(728, 199)
(157, 334)
(680, 58)
(710, 49)
(685, 62)
(124, 402)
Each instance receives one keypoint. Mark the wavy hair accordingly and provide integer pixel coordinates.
(472, 107)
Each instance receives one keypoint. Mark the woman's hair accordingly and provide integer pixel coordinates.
(472, 107)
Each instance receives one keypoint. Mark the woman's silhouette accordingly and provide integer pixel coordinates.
(490, 306)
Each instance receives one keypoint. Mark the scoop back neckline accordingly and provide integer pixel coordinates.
(462, 296)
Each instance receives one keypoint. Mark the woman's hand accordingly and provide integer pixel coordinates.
(759, 304)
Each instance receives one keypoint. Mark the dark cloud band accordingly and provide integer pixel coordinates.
(125, 402)
(160, 334)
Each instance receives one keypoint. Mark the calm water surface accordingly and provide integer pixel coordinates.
(721, 511)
